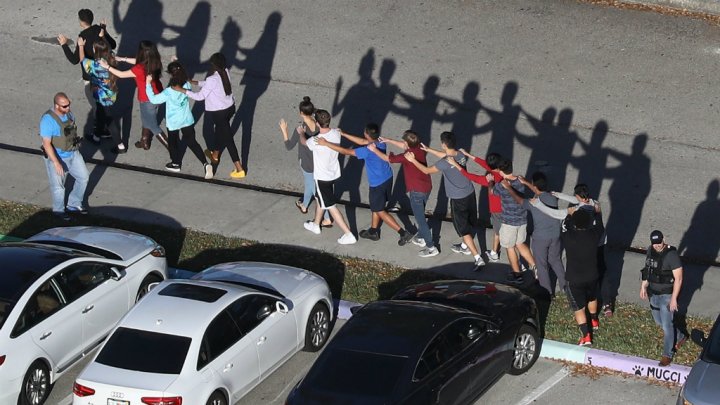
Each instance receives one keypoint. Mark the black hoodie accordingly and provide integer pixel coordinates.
(91, 35)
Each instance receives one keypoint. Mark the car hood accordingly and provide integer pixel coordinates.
(118, 377)
(127, 245)
(701, 386)
(288, 281)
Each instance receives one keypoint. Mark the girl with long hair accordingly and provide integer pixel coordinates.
(104, 91)
(146, 62)
(178, 117)
(216, 90)
(306, 130)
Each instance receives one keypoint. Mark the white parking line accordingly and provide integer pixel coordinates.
(544, 387)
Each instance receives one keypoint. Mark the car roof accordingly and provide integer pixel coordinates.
(172, 314)
(400, 328)
(24, 263)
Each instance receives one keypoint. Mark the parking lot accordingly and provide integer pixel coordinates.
(548, 382)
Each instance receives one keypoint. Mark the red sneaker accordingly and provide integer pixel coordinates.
(585, 340)
(595, 324)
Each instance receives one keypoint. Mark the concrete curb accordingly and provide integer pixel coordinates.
(698, 6)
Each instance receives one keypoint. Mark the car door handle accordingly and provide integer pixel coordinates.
(261, 340)
(227, 367)
(88, 309)
(45, 335)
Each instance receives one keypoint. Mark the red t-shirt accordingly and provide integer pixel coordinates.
(415, 180)
(494, 201)
(140, 74)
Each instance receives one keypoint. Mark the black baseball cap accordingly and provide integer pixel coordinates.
(656, 237)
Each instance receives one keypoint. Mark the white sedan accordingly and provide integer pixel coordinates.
(61, 293)
(211, 339)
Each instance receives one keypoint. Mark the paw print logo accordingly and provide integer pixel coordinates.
(637, 370)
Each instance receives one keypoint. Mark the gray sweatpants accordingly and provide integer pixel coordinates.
(548, 255)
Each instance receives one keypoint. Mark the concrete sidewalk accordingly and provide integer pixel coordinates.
(268, 217)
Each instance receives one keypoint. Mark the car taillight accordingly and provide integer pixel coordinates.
(82, 391)
(161, 400)
(159, 251)
(2, 359)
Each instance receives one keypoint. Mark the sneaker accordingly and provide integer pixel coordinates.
(533, 268)
(405, 238)
(429, 252)
(76, 210)
(607, 310)
(479, 263)
(369, 234)
(237, 174)
(493, 256)
(394, 208)
(118, 151)
(679, 344)
(208, 171)
(173, 167)
(93, 138)
(418, 241)
(312, 227)
(61, 215)
(595, 324)
(457, 248)
(585, 340)
(665, 361)
(347, 239)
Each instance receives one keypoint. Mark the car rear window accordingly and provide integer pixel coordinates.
(141, 350)
(350, 372)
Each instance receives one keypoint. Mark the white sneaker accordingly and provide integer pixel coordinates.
(479, 262)
(312, 227)
(417, 240)
(429, 252)
(347, 239)
(493, 256)
(208, 171)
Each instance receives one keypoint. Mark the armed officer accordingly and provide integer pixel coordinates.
(661, 283)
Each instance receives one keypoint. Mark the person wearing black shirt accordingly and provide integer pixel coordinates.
(580, 235)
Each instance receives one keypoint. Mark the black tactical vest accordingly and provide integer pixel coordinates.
(68, 139)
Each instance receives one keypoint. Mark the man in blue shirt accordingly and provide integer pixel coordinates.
(380, 176)
(60, 146)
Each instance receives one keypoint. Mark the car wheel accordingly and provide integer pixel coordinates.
(217, 398)
(150, 281)
(317, 329)
(35, 385)
(526, 350)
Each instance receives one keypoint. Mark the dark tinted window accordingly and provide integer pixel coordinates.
(447, 344)
(149, 352)
(247, 311)
(356, 373)
(712, 346)
(80, 278)
(5, 308)
(22, 264)
(41, 305)
(219, 336)
(193, 292)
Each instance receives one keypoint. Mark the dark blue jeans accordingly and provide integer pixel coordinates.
(418, 201)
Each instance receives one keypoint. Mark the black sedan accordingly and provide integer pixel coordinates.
(443, 342)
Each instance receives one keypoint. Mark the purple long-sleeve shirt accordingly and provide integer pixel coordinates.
(213, 92)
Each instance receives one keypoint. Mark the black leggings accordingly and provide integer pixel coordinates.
(188, 136)
(223, 133)
(105, 121)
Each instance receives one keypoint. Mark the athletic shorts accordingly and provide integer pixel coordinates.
(496, 222)
(325, 193)
(511, 235)
(579, 295)
(380, 195)
(464, 214)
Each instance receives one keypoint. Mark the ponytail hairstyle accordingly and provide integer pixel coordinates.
(178, 76)
(101, 50)
(148, 56)
(219, 64)
(306, 107)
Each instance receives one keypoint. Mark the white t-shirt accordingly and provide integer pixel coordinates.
(325, 160)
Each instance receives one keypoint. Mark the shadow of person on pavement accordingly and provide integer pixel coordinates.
(258, 66)
(356, 110)
(591, 165)
(503, 124)
(699, 244)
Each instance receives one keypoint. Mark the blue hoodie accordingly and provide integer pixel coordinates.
(177, 110)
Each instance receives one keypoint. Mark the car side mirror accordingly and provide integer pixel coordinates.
(116, 273)
(281, 307)
(698, 337)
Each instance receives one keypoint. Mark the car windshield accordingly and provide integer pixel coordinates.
(350, 372)
(712, 346)
(141, 350)
(5, 308)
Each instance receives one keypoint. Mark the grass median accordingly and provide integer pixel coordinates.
(630, 331)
